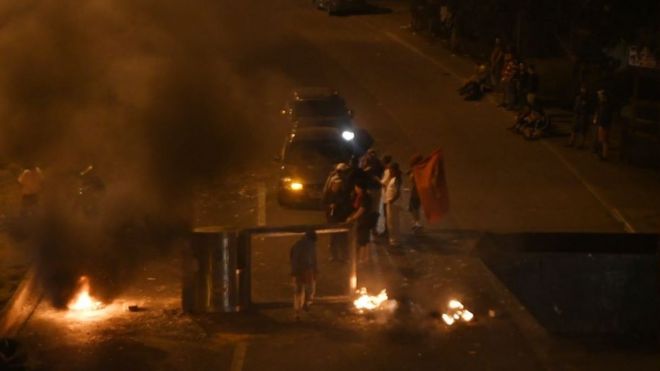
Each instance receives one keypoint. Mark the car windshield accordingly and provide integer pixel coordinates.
(313, 152)
(319, 108)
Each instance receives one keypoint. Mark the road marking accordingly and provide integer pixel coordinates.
(261, 204)
(614, 212)
(397, 39)
(238, 358)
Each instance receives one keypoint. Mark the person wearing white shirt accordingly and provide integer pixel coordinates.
(392, 194)
(382, 222)
(30, 181)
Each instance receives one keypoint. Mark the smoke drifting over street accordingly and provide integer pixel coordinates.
(134, 89)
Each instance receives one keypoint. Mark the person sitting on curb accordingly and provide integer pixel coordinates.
(530, 122)
(476, 85)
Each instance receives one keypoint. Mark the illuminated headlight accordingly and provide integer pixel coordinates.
(295, 186)
(348, 135)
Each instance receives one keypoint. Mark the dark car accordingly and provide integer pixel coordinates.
(317, 106)
(307, 158)
(339, 6)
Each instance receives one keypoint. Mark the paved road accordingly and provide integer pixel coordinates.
(258, 51)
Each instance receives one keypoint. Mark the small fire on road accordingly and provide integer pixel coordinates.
(366, 302)
(82, 301)
(456, 311)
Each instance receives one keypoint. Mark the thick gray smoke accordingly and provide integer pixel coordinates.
(137, 88)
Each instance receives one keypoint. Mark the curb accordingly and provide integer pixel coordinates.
(20, 306)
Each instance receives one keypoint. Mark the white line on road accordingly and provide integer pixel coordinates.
(415, 50)
(261, 204)
(614, 212)
(239, 356)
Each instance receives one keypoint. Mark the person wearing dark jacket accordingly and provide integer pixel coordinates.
(414, 202)
(303, 271)
(603, 121)
(581, 109)
(337, 202)
(366, 219)
(528, 83)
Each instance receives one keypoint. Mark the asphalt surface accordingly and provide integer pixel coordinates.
(408, 102)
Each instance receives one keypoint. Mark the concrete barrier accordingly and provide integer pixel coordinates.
(581, 284)
(21, 305)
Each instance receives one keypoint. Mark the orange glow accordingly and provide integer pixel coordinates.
(83, 301)
(456, 311)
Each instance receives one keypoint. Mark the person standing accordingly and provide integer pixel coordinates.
(374, 170)
(496, 60)
(603, 121)
(337, 207)
(365, 218)
(382, 221)
(581, 109)
(303, 271)
(415, 203)
(528, 82)
(391, 198)
(508, 81)
(30, 181)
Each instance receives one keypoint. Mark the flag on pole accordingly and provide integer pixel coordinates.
(432, 186)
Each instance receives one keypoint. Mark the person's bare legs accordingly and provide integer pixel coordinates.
(298, 297)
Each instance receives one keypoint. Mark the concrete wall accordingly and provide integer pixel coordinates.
(581, 284)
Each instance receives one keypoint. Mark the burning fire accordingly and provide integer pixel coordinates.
(370, 302)
(83, 301)
(456, 312)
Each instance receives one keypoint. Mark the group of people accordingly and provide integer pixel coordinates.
(517, 80)
(363, 191)
(589, 114)
(432, 16)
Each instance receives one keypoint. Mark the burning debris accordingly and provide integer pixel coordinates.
(367, 303)
(456, 312)
(83, 301)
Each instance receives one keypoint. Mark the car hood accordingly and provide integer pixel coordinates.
(307, 174)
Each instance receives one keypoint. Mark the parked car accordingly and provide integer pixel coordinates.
(307, 158)
(310, 106)
(340, 6)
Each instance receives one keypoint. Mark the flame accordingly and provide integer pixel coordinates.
(369, 302)
(456, 312)
(83, 301)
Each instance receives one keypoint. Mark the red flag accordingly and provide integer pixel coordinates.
(432, 186)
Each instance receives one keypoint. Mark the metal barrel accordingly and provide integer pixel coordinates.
(212, 273)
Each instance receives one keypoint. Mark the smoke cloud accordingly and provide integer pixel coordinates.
(140, 90)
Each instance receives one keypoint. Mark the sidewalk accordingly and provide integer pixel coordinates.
(628, 193)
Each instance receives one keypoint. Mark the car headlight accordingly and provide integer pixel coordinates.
(348, 135)
(295, 186)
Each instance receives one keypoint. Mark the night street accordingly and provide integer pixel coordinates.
(402, 89)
